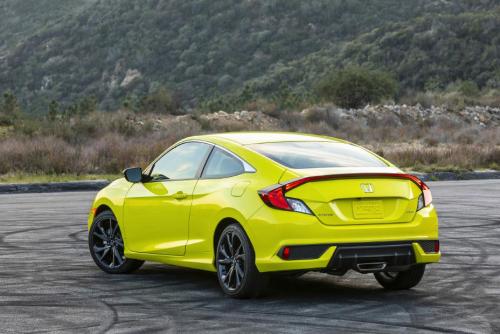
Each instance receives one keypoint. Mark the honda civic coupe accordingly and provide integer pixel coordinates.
(247, 205)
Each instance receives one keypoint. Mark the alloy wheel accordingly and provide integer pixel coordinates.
(231, 261)
(107, 243)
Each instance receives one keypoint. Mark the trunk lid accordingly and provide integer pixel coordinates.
(368, 196)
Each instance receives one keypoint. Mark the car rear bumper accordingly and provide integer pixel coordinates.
(271, 230)
(366, 257)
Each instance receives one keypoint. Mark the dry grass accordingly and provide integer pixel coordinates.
(453, 99)
(442, 145)
(109, 154)
(48, 178)
(422, 157)
(387, 129)
(106, 143)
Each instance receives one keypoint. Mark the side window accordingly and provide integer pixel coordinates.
(222, 164)
(180, 163)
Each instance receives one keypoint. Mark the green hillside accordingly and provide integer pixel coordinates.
(20, 19)
(115, 49)
(428, 52)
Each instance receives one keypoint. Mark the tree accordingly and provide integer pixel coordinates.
(285, 97)
(355, 87)
(10, 110)
(87, 105)
(53, 110)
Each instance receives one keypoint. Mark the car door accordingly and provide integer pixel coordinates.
(156, 213)
(222, 185)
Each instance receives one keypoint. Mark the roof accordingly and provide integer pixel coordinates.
(248, 138)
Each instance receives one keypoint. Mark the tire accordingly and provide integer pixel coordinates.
(106, 246)
(235, 262)
(402, 280)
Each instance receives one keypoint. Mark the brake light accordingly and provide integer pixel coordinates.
(275, 198)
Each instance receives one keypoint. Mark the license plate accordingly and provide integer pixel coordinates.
(368, 209)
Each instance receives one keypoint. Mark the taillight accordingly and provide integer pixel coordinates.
(275, 198)
(298, 206)
(425, 197)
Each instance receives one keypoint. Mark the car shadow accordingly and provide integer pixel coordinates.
(318, 286)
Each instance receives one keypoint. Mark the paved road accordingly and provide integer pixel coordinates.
(48, 282)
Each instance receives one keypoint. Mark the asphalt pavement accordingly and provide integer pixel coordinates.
(48, 282)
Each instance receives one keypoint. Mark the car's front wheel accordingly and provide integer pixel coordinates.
(106, 245)
(401, 280)
(235, 261)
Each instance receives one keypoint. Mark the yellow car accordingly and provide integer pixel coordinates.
(246, 205)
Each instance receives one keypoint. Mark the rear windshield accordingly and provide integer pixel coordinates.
(299, 155)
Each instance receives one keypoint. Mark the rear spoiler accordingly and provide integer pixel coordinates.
(294, 183)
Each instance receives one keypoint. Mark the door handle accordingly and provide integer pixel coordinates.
(180, 195)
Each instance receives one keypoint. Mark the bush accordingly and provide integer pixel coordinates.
(355, 87)
(160, 102)
(469, 88)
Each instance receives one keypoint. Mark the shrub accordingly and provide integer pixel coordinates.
(268, 107)
(159, 102)
(355, 87)
(40, 155)
(423, 158)
(469, 88)
(315, 114)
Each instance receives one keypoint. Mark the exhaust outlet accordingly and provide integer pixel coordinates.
(371, 267)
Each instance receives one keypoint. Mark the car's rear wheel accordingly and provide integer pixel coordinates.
(106, 245)
(401, 280)
(235, 261)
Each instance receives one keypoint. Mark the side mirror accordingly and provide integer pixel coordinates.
(133, 175)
